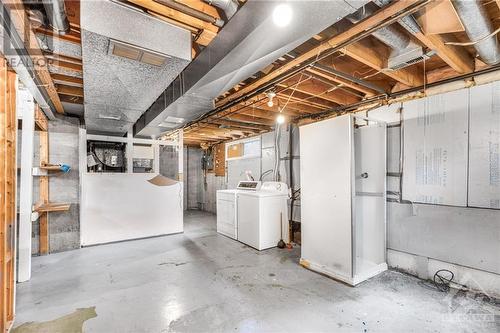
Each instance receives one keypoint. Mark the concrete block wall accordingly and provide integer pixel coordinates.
(213, 184)
(64, 227)
(199, 189)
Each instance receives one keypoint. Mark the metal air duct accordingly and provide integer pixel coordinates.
(228, 6)
(56, 13)
(250, 41)
(404, 51)
(478, 26)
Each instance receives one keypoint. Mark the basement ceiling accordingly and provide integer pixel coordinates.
(117, 88)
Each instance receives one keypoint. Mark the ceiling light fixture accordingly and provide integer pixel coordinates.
(282, 15)
(270, 95)
(280, 119)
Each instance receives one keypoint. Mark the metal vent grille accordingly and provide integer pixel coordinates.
(412, 61)
(132, 52)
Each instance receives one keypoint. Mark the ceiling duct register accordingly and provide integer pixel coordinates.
(124, 50)
(248, 42)
(129, 58)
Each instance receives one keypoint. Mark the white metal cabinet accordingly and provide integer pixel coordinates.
(341, 209)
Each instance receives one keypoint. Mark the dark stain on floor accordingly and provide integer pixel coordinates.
(70, 323)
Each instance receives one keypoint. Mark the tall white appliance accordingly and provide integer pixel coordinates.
(343, 197)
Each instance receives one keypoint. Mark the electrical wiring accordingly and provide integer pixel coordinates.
(442, 282)
(474, 42)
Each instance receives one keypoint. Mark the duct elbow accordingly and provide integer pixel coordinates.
(228, 6)
(56, 14)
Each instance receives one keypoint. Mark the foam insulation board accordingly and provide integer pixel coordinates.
(484, 161)
(435, 149)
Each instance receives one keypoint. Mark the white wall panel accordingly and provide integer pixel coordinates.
(484, 163)
(325, 167)
(435, 149)
(126, 206)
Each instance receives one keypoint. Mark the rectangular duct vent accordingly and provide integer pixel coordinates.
(132, 52)
(408, 57)
(171, 122)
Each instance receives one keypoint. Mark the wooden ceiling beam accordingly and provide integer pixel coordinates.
(62, 61)
(20, 21)
(237, 124)
(350, 84)
(322, 91)
(69, 90)
(71, 99)
(249, 119)
(381, 15)
(254, 112)
(68, 80)
(208, 30)
(410, 76)
(305, 99)
(456, 57)
(72, 36)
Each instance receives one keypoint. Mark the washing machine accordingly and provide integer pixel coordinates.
(262, 215)
(227, 217)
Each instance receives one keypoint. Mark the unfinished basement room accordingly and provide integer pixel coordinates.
(249, 166)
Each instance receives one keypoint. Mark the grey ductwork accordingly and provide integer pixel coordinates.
(192, 12)
(477, 25)
(56, 13)
(228, 6)
(408, 22)
(242, 47)
(404, 50)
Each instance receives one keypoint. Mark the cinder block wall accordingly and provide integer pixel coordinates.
(64, 227)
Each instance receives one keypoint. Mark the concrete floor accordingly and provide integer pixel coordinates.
(200, 281)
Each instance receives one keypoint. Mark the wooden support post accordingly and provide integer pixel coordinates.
(44, 193)
(8, 175)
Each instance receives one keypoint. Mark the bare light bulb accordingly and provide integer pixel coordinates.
(270, 95)
(282, 15)
(280, 119)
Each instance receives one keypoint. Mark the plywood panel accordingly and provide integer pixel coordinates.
(220, 160)
(484, 156)
(435, 149)
(235, 150)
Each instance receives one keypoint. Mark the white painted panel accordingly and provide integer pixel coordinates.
(237, 168)
(26, 106)
(369, 211)
(435, 149)
(126, 206)
(387, 113)
(325, 172)
(484, 160)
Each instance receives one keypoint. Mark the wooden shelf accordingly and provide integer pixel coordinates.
(51, 167)
(52, 207)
